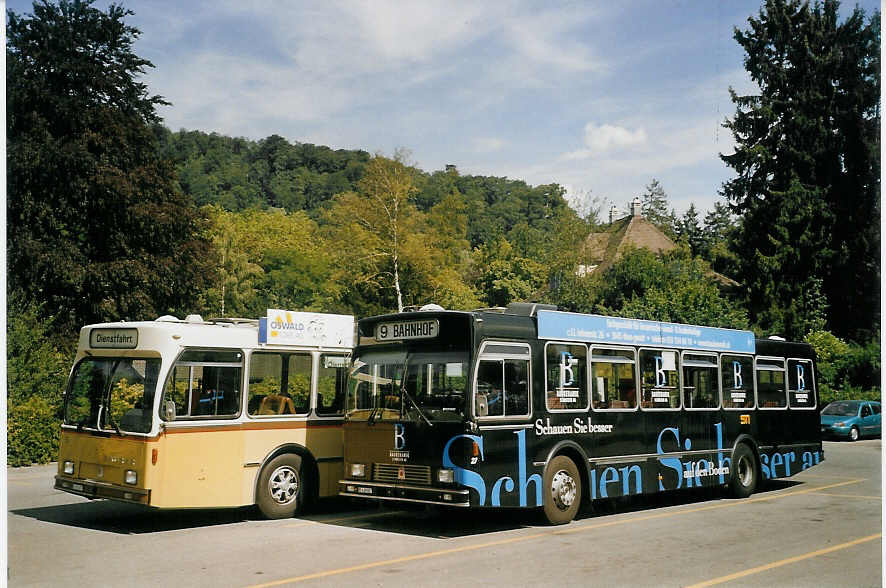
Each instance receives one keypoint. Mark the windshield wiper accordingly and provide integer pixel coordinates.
(113, 424)
(415, 404)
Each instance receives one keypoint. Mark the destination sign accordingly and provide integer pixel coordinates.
(427, 329)
(592, 328)
(113, 338)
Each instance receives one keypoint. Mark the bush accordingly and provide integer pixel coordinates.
(36, 374)
(32, 432)
(846, 370)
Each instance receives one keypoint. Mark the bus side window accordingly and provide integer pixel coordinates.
(738, 385)
(700, 386)
(613, 379)
(801, 383)
(332, 384)
(566, 380)
(490, 388)
(660, 379)
(205, 383)
(516, 386)
(770, 382)
(298, 383)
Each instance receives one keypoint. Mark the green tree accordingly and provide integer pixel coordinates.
(675, 287)
(503, 276)
(268, 259)
(654, 205)
(378, 231)
(807, 166)
(689, 229)
(97, 228)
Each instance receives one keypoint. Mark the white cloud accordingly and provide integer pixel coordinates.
(488, 144)
(610, 137)
(604, 139)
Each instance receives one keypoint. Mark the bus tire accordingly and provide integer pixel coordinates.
(281, 487)
(561, 490)
(744, 472)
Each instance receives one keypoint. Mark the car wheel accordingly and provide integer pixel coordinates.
(854, 435)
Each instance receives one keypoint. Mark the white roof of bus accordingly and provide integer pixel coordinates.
(169, 331)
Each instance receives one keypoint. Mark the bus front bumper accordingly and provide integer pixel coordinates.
(404, 493)
(92, 489)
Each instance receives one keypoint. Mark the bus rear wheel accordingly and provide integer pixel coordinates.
(281, 487)
(561, 490)
(744, 472)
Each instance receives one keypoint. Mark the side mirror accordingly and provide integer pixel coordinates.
(169, 411)
(482, 405)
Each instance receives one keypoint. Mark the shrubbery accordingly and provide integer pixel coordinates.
(36, 373)
(846, 370)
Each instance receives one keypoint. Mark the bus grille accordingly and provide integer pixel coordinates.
(412, 474)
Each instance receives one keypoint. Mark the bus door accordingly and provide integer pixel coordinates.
(201, 451)
(502, 404)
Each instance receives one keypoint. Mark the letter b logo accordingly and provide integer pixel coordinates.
(736, 372)
(399, 436)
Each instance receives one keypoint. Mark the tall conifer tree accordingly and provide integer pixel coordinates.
(807, 167)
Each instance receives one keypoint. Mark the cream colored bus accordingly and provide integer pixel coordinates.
(219, 413)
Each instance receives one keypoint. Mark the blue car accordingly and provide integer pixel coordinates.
(850, 419)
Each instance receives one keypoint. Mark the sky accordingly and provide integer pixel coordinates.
(600, 97)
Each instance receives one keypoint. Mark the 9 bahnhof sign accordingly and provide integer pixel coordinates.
(424, 329)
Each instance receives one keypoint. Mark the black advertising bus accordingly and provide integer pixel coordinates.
(531, 407)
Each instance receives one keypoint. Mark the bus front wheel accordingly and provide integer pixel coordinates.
(744, 472)
(281, 487)
(561, 490)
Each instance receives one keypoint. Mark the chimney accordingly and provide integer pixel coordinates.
(636, 207)
(613, 211)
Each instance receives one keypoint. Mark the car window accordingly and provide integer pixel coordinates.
(865, 411)
(876, 408)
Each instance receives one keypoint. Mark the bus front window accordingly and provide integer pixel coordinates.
(113, 394)
(415, 386)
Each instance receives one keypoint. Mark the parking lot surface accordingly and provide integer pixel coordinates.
(821, 527)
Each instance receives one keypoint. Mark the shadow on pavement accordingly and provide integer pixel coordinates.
(129, 519)
(439, 522)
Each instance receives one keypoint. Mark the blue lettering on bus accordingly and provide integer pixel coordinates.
(464, 476)
(605, 483)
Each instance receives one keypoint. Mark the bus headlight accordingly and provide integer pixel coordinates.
(358, 470)
(445, 476)
(131, 477)
(69, 468)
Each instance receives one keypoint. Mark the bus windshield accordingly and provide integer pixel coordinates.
(113, 394)
(417, 386)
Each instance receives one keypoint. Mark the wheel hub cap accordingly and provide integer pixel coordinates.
(744, 471)
(563, 490)
(284, 485)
